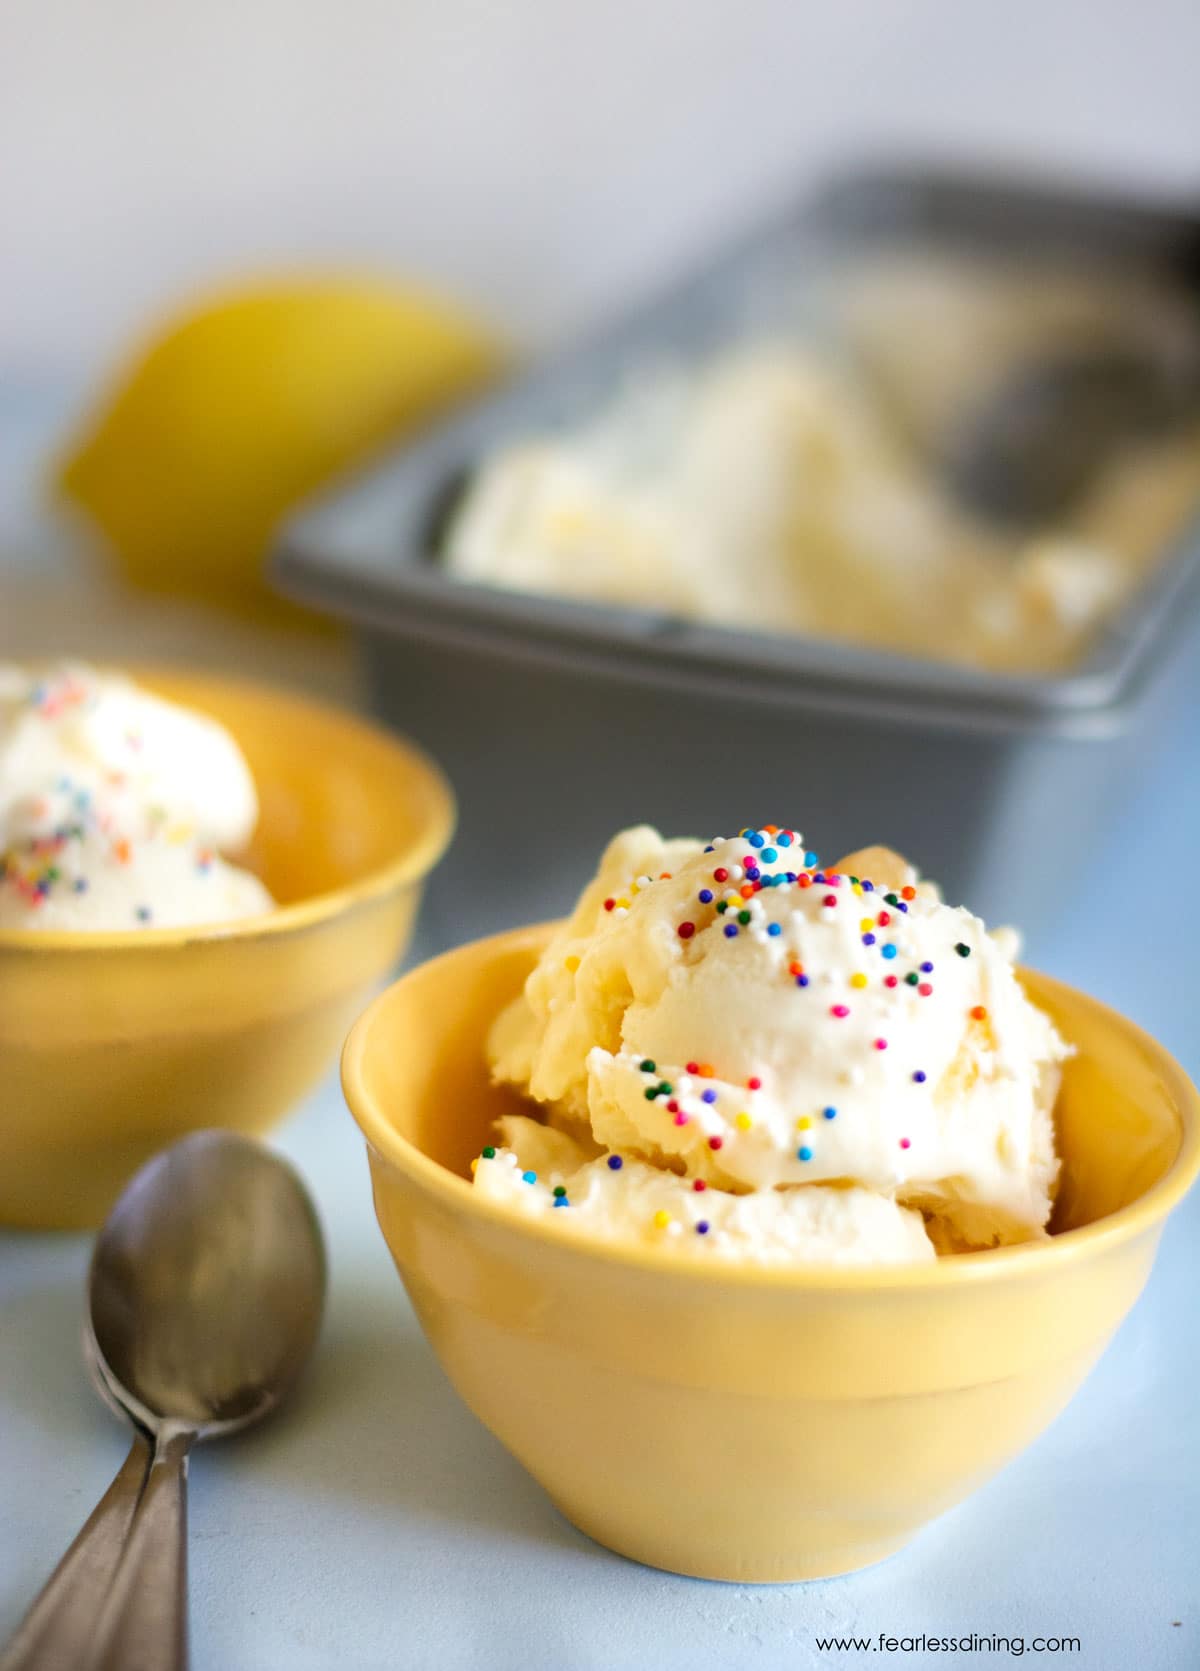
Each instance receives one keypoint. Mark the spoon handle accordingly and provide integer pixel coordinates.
(59, 1629)
(143, 1625)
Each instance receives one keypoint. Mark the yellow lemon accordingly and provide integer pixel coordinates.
(240, 409)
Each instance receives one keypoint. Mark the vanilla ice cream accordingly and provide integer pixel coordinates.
(768, 487)
(735, 1023)
(114, 806)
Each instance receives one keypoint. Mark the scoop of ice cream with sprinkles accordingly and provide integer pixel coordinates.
(115, 806)
(780, 1060)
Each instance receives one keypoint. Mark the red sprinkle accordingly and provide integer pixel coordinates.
(840, 1010)
(716, 1142)
(891, 980)
(720, 874)
(691, 1067)
(830, 899)
(754, 1084)
(804, 880)
(904, 1142)
(610, 904)
(672, 1107)
(686, 930)
(925, 989)
(699, 1186)
(881, 1044)
(884, 918)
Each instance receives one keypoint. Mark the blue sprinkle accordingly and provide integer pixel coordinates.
(756, 840)
(705, 896)
(702, 1227)
(902, 906)
(889, 951)
(751, 873)
(791, 876)
(615, 1163)
(868, 939)
(801, 980)
(830, 1113)
(81, 884)
(730, 931)
(927, 968)
(774, 930)
(804, 1153)
(708, 1096)
(868, 887)
(769, 855)
(919, 1077)
(784, 840)
(561, 1201)
(811, 859)
(818, 876)
(529, 1177)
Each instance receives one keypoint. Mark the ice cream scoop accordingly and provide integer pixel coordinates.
(735, 1014)
(101, 732)
(114, 805)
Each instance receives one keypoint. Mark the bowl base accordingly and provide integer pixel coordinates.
(732, 1567)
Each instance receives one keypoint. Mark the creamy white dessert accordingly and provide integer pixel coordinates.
(732, 1022)
(770, 487)
(115, 807)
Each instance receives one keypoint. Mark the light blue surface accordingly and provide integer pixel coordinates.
(374, 1524)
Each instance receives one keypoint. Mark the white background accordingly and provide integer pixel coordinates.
(538, 158)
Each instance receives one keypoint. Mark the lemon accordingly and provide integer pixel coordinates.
(240, 409)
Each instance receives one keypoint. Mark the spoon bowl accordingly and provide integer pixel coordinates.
(206, 1286)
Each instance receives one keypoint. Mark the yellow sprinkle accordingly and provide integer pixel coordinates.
(474, 1165)
(634, 889)
(858, 980)
(743, 1122)
(803, 1123)
(571, 963)
(856, 887)
(624, 903)
(866, 925)
(662, 1218)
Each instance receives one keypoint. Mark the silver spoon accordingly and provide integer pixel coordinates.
(204, 1302)
(1047, 432)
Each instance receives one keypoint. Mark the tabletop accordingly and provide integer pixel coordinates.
(375, 1525)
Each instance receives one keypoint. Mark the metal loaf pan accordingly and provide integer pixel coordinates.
(561, 721)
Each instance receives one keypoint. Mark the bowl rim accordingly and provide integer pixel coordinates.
(413, 864)
(990, 1264)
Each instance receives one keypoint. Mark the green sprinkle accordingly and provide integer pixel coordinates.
(962, 949)
(559, 1191)
(912, 979)
(743, 916)
(649, 1067)
(489, 1153)
(892, 899)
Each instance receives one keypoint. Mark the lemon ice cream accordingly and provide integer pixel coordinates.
(733, 1022)
(115, 806)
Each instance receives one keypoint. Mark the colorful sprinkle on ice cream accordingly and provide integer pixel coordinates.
(732, 1023)
(115, 806)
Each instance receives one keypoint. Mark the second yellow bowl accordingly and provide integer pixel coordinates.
(114, 1044)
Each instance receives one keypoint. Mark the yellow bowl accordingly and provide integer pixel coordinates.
(744, 1424)
(114, 1044)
